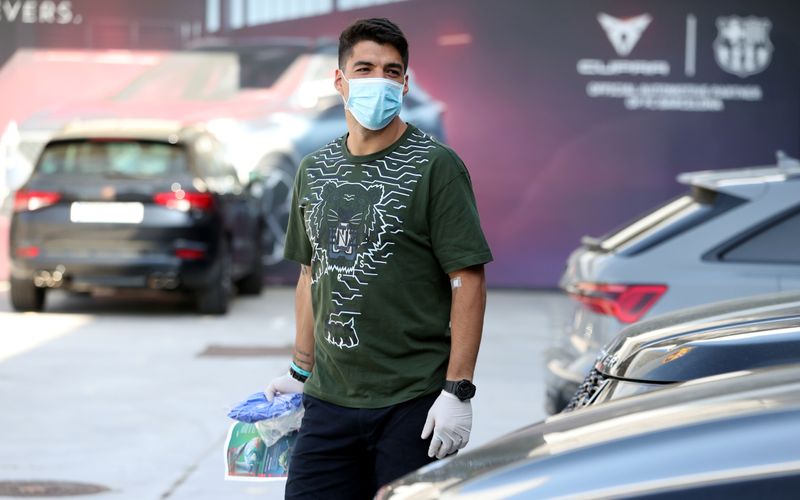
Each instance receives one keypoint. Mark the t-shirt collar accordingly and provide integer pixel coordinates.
(378, 154)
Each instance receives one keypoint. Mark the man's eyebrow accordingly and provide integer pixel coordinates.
(371, 64)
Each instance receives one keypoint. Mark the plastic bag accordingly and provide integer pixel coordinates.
(273, 420)
(259, 445)
(256, 407)
(247, 458)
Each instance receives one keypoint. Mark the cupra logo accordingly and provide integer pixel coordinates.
(624, 34)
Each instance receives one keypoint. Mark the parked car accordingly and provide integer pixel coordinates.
(730, 436)
(735, 233)
(729, 336)
(134, 204)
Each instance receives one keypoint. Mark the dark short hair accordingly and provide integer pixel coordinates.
(379, 30)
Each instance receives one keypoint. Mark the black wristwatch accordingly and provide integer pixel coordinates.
(462, 389)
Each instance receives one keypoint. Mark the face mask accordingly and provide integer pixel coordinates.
(374, 102)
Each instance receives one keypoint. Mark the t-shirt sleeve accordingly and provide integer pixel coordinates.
(456, 235)
(298, 247)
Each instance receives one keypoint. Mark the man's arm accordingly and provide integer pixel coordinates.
(292, 381)
(450, 419)
(466, 321)
(304, 321)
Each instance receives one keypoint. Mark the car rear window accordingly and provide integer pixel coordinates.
(776, 242)
(112, 158)
(667, 221)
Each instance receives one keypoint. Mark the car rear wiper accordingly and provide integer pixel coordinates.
(592, 243)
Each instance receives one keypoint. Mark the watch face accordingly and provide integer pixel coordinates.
(464, 390)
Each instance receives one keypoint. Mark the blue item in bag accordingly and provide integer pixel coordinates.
(256, 407)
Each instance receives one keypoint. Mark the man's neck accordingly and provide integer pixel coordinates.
(363, 142)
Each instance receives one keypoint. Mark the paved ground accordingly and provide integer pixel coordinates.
(113, 391)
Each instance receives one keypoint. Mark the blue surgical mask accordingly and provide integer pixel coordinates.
(374, 102)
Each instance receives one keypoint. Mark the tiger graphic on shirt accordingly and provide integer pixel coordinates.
(351, 217)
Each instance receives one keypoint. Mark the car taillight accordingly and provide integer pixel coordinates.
(185, 201)
(28, 252)
(190, 253)
(25, 201)
(627, 303)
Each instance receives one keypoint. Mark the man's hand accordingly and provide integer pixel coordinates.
(450, 420)
(285, 384)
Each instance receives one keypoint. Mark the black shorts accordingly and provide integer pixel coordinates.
(348, 453)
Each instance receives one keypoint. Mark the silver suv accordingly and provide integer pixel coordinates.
(735, 233)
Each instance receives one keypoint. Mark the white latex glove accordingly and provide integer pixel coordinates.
(450, 420)
(285, 384)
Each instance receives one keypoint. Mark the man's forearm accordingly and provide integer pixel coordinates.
(304, 320)
(466, 321)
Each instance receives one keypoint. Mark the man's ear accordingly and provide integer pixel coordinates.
(338, 82)
(405, 86)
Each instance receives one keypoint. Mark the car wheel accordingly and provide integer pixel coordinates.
(216, 298)
(254, 281)
(277, 178)
(25, 296)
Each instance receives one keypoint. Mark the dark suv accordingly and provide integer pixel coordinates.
(134, 204)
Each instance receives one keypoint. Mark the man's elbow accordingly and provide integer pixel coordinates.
(469, 276)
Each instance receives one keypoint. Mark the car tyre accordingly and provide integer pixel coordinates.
(26, 297)
(215, 298)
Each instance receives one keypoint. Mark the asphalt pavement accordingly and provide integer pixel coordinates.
(131, 392)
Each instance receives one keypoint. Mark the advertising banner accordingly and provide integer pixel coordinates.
(572, 117)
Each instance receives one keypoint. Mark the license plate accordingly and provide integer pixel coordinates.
(106, 213)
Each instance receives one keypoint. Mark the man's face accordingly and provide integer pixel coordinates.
(369, 59)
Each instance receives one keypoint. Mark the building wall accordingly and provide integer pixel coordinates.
(572, 116)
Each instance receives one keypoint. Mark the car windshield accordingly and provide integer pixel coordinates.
(112, 158)
(262, 68)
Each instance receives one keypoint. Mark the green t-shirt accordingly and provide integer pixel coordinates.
(380, 233)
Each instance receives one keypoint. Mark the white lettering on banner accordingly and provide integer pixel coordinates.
(47, 12)
(38, 12)
(11, 10)
(674, 96)
(742, 48)
(64, 10)
(29, 12)
(596, 67)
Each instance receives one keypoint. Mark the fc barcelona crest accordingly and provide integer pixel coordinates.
(743, 47)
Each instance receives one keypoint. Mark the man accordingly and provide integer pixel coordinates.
(391, 295)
